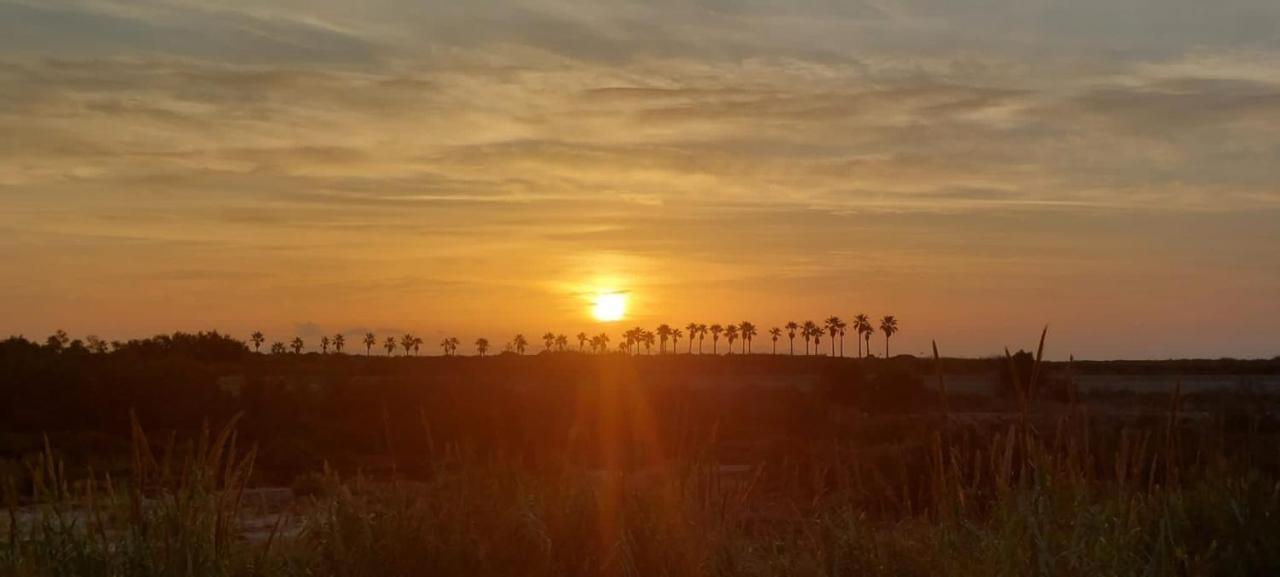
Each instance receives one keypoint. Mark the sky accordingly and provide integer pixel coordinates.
(978, 169)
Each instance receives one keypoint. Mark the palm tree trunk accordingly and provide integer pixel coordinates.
(886, 346)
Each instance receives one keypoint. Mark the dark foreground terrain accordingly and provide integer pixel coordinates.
(570, 464)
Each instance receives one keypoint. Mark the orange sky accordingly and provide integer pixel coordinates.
(483, 169)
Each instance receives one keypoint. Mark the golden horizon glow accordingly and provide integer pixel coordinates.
(609, 307)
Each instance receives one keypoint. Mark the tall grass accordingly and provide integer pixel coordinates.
(1041, 494)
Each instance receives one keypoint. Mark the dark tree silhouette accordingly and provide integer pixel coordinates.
(888, 326)
(792, 327)
(832, 325)
(731, 334)
(370, 339)
(257, 339)
(406, 342)
(775, 333)
(339, 343)
(548, 340)
(664, 335)
(693, 332)
(324, 345)
(482, 346)
(809, 330)
(561, 342)
(715, 338)
(582, 340)
(390, 345)
(648, 338)
(861, 324)
(297, 345)
(676, 334)
(519, 343)
(748, 331)
(277, 348)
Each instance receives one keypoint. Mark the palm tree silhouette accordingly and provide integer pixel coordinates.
(482, 346)
(520, 343)
(731, 333)
(791, 335)
(324, 345)
(749, 331)
(277, 348)
(832, 324)
(548, 340)
(693, 332)
(582, 340)
(648, 338)
(417, 342)
(861, 323)
(715, 338)
(664, 334)
(867, 335)
(297, 345)
(775, 333)
(445, 345)
(561, 342)
(257, 340)
(370, 339)
(604, 342)
(817, 341)
(888, 326)
(809, 330)
(675, 340)
(339, 342)
(406, 342)
(390, 345)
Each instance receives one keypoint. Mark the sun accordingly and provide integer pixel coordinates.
(609, 307)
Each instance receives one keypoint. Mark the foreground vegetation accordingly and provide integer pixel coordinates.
(569, 465)
(1077, 498)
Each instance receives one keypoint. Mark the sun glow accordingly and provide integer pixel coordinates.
(609, 307)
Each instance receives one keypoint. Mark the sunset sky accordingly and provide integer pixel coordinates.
(481, 168)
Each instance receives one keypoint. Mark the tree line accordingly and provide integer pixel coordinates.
(635, 340)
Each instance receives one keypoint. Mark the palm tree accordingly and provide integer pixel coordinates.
(370, 339)
(445, 345)
(595, 344)
(808, 330)
(257, 340)
(548, 340)
(324, 345)
(604, 342)
(817, 341)
(676, 334)
(339, 342)
(832, 325)
(775, 333)
(731, 333)
(888, 326)
(277, 348)
(520, 343)
(791, 335)
(715, 338)
(406, 342)
(296, 345)
(482, 346)
(648, 338)
(693, 332)
(861, 323)
(582, 340)
(417, 342)
(749, 331)
(867, 335)
(390, 345)
(664, 334)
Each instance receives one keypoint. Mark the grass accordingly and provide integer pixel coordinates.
(1042, 494)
